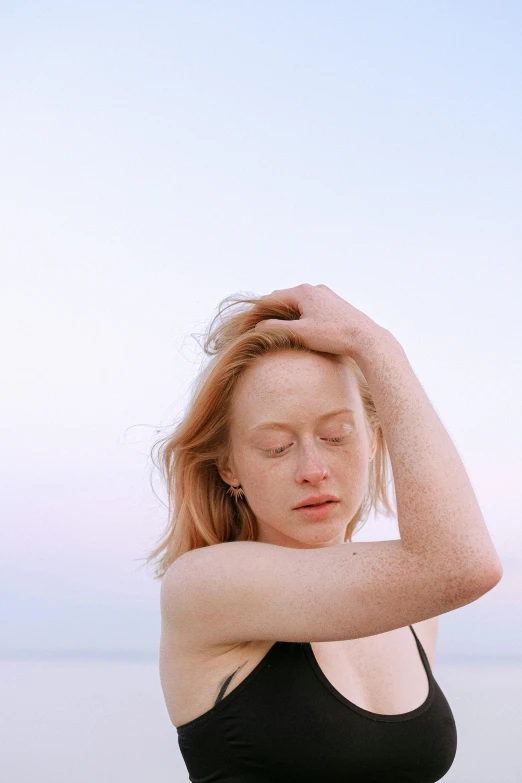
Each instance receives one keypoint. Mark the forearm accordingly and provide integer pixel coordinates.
(438, 512)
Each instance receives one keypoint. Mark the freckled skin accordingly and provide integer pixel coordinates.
(297, 388)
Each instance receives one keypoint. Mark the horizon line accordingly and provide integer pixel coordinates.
(153, 655)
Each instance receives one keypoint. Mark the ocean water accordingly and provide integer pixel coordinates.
(105, 721)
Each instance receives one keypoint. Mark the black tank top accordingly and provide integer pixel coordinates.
(287, 722)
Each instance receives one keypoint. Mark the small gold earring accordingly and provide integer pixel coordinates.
(236, 492)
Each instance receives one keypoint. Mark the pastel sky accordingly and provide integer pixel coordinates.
(158, 157)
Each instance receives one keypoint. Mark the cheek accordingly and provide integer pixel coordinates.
(266, 482)
(353, 467)
(256, 474)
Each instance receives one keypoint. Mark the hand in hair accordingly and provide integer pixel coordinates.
(328, 323)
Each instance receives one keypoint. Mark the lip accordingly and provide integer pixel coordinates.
(324, 511)
(315, 500)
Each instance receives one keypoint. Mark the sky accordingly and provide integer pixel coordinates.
(159, 157)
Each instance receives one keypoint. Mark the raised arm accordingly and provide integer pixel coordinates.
(248, 590)
(438, 513)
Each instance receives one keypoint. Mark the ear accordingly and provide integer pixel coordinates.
(226, 472)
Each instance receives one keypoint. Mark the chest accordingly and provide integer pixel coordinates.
(383, 674)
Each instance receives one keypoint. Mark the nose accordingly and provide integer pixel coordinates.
(311, 467)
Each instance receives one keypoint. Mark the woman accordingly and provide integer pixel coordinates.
(288, 652)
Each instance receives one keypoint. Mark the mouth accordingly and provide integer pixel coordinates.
(314, 505)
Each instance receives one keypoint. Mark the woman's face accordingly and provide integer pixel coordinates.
(287, 445)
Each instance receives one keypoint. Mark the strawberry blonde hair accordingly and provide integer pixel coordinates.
(200, 511)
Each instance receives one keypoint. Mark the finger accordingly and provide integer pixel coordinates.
(287, 293)
(288, 296)
(268, 322)
(278, 323)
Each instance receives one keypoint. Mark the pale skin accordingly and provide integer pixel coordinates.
(311, 454)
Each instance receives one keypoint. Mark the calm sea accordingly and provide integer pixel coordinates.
(105, 721)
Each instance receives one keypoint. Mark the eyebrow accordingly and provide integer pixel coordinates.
(281, 425)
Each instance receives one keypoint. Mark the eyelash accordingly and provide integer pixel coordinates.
(275, 452)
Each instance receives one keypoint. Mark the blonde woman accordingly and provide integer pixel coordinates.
(289, 652)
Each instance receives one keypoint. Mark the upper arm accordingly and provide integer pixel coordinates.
(246, 591)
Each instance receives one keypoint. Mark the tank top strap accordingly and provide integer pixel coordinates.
(423, 655)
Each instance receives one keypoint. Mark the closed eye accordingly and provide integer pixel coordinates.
(275, 452)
